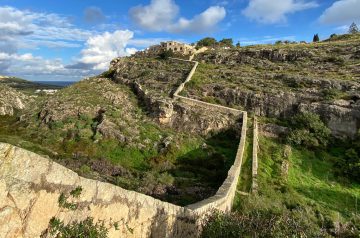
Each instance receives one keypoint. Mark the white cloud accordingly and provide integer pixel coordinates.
(18, 28)
(157, 16)
(24, 29)
(270, 11)
(342, 12)
(101, 49)
(162, 15)
(206, 21)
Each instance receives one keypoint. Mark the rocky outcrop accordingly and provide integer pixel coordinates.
(11, 100)
(88, 98)
(341, 116)
(252, 55)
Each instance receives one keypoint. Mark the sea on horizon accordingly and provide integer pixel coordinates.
(56, 83)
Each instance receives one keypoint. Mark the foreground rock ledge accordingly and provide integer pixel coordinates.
(30, 186)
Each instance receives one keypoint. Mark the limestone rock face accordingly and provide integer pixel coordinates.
(343, 118)
(30, 186)
(11, 100)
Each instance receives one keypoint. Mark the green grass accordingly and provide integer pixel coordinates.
(309, 185)
(312, 177)
(245, 181)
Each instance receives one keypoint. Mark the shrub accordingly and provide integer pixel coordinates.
(208, 41)
(166, 178)
(109, 74)
(86, 228)
(56, 125)
(227, 42)
(349, 165)
(85, 169)
(166, 54)
(308, 130)
(62, 200)
(259, 223)
(330, 94)
(76, 192)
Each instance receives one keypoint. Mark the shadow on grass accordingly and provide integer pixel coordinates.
(199, 173)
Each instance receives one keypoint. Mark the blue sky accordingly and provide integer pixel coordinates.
(69, 40)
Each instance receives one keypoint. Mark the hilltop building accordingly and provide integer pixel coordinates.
(175, 46)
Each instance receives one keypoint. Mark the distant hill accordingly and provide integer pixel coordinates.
(25, 85)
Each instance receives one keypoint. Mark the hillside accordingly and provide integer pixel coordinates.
(139, 140)
(126, 127)
(280, 80)
(25, 86)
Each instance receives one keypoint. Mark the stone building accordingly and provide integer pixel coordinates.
(175, 46)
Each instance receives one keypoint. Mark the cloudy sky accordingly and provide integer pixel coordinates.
(71, 39)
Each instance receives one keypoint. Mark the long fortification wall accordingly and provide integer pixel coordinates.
(31, 185)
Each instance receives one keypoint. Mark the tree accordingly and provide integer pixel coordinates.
(166, 54)
(208, 41)
(238, 44)
(227, 42)
(353, 29)
(316, 38)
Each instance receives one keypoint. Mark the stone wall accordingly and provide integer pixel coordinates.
(224, 197)
(255, 164)
(30, 187)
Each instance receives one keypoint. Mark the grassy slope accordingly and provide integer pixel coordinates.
(309, 185)
(184, 164)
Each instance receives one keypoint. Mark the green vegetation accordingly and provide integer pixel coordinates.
(166, 54)
(258, 223)
(207, 42)
(26, 86)
(87, 228)
(111, 136)
(227, 42)
(63, 201)
(348, 163)
(299, 195)
(308, 130)
(316, 38)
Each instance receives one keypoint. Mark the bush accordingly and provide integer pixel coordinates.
(227, 42)
(208, 41)
(86, 228)
(308, 130)
(166, 54)
(349, 165)
(259, 223)
(330, 94)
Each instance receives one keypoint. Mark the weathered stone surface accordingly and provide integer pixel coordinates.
(28, 202)
(342, 119)
(11, 100)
